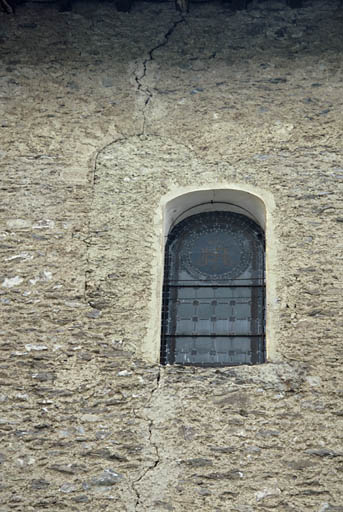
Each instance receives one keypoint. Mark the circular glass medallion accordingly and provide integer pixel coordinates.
(216, 245)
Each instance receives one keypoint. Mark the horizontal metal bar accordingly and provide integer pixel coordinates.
(173, 276)
(213, 335)
(240, 301)
(217, 365)
(169, 285)
(217, 280)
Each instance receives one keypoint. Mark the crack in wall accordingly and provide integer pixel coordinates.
(92, 177)
(155, 446)
(148, 93)
(88, 236)
(138, 78)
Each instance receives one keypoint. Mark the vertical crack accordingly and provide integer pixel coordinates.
(138, 78)
(155, 446)
(88, 235)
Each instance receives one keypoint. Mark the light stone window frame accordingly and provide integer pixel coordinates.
(182, 202)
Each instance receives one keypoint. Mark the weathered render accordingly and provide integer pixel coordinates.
(103, 116)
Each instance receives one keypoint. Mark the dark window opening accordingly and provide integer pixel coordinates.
(213, 311)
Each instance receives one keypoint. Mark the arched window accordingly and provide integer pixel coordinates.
(214, 291)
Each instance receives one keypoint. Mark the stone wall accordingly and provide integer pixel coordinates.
(102, 115)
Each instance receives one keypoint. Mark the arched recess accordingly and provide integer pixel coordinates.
(180, 204)
(232, 200)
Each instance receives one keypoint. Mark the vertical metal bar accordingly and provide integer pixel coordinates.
(263, 342)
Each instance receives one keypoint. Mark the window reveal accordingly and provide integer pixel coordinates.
(214, 292)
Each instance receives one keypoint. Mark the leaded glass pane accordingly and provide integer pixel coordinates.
(213, 301)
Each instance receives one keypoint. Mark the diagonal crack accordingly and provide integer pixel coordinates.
(157, 458)
(138, 78)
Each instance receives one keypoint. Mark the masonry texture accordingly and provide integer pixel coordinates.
(102, 114)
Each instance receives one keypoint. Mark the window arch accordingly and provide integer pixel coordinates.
(213, 311)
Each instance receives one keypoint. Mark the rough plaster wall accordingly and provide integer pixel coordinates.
(98, 120)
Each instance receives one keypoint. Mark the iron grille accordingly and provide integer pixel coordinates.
(213, 311)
